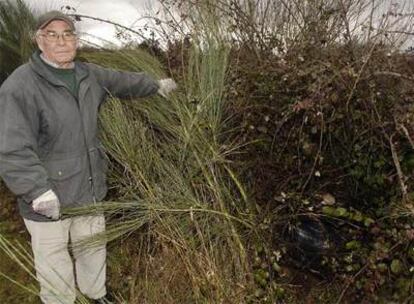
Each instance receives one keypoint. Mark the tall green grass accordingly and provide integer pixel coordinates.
(16, 29)
(171, 173)
(171, 178)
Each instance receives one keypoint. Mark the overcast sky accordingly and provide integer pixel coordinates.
(124, 12)
(130, 12)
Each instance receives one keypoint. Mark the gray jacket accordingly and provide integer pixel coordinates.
(48, 137)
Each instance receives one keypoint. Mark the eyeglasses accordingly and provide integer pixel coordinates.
(53, 36)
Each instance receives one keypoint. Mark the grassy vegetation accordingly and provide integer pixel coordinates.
(12, 229)
(16, 46)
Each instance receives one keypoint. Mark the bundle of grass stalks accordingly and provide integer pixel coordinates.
(172, 183)
(173, 191)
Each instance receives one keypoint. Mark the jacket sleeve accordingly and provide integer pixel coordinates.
(124, 84)
(20, 166)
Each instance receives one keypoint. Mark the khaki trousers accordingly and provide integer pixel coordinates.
(55, 269)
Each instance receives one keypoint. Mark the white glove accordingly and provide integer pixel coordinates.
(166, 86)
(47, 204)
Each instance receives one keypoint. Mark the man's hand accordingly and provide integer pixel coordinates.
(48, 205)
(166, 86)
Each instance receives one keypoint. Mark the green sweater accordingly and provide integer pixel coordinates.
(68, 77)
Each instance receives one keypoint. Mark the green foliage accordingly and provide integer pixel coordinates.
(16, 31)
(171, 174)
(322, 118)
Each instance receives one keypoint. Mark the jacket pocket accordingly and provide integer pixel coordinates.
(66, 178)
(99, 168)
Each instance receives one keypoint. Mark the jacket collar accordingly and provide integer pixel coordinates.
(39, 67)
(54, 65)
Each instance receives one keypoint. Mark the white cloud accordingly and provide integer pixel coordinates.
(123, 12)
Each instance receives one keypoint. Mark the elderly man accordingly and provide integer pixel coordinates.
(51, 157)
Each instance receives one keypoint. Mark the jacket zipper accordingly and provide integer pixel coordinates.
(91, 181)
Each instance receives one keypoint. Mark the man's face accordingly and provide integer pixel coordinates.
(58, 43)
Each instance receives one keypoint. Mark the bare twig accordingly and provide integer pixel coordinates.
(394, 74)
(359, 76)
(401, 177)
(77, 16)
(407, 134)
(393, 32)
(349, 283)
